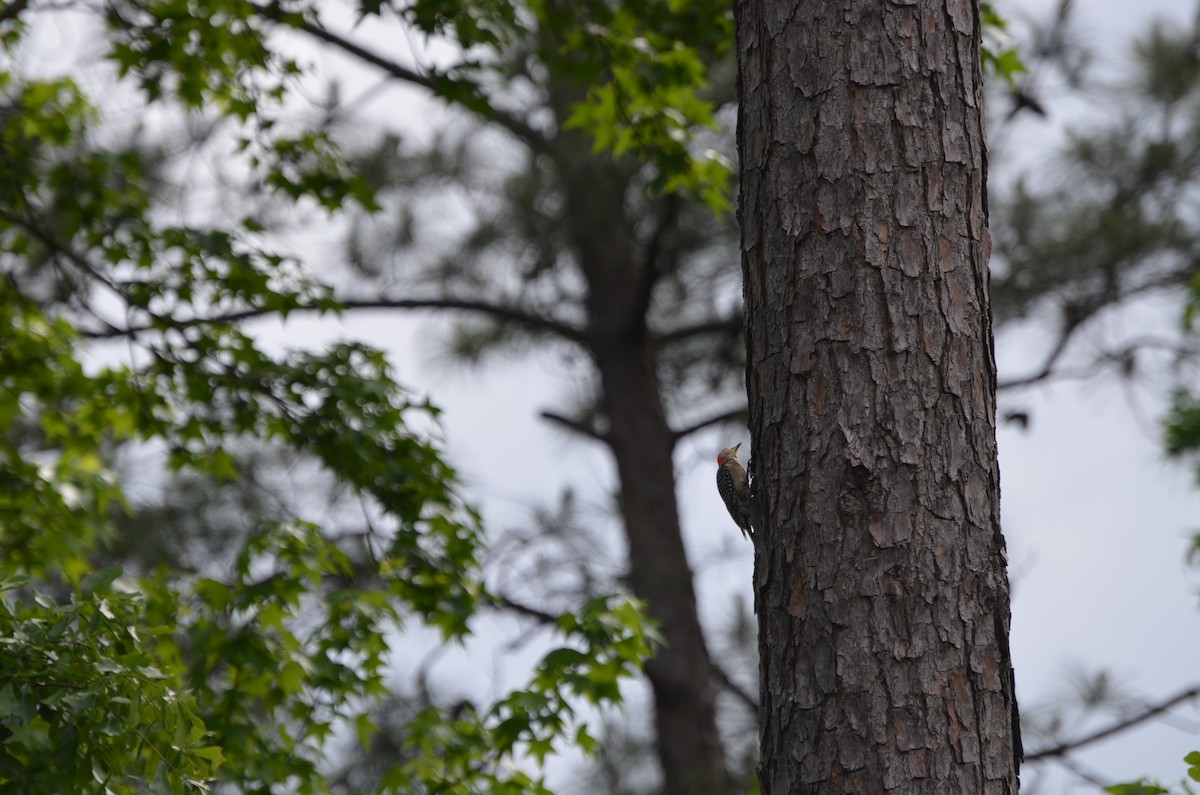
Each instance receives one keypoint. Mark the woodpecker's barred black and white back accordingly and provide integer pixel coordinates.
(734, 488)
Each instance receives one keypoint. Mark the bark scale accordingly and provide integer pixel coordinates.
(880, 578)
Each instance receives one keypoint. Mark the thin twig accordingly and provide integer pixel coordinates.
(1079, 770)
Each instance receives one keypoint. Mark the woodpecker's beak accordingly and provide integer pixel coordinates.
(736, 446)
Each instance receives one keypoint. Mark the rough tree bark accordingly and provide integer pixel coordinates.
(880, 580)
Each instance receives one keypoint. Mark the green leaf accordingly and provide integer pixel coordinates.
(1193, 762)
(210, 752)
(365, 728)
(1136, 788)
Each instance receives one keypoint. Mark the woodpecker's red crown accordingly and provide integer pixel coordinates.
(728, 452)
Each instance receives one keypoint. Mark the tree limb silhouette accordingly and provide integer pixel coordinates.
(1070, 746)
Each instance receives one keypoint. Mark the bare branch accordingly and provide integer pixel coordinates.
(533, 138)
(503, 312)
(504, 603)
(1062, 749)
(734, 689)
(651, 270)
(716, 419)
(1076, 316)
(728, 325)
(396, 70)
(1047, 368)
(576, 426)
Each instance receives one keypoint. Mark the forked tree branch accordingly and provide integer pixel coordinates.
(1077, 316)
(1047, 369)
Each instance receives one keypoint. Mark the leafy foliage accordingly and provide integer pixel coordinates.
(1137, 788)
(1000, 57)
(175, 679)
(644, 63)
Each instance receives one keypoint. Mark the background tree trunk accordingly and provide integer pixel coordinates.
(880, 580)
(686, 738)
(687, 742)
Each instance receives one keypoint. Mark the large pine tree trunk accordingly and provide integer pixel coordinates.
(880, 581)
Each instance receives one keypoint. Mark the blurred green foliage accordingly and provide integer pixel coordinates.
(171, 680)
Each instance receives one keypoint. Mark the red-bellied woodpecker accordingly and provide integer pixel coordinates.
(734, 488)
